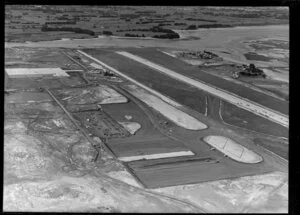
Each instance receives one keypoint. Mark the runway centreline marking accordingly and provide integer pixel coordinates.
(230, 97)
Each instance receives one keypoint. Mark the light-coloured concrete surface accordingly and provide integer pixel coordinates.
(157, 156)
(22, 72)
(95, 65)
(233, 149)
(132, 127)
(179, 117)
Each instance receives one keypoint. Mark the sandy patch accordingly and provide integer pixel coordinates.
(97, 66)
(233, 149)
(156, 156)
(125, 177)
(21, 72)
(101, 94)
(86, 194)
(132, 127)
(276, 76)
(260, 193)
(128, 117)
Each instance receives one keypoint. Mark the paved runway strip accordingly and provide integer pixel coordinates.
(232, 98)
(162, 104)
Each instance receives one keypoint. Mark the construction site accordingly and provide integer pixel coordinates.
(101, 113)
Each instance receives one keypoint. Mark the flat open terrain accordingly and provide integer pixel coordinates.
(279, 147)
(50, 165)
(193, 72)
(25, 23)
(147, 140)
(245, 119)
(182, 92)
(189, 172)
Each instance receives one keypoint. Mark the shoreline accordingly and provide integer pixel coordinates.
(151, 38)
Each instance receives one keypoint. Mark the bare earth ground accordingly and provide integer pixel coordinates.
(48, 165)
(55, 173)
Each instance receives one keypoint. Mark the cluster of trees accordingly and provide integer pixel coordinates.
(129, 16)
(194, 27)
(197, 19)
(249, 14)
(107, 16)
(191, 27)
(143, 22)
(151, 21)
(153, 29)
(61, 23)
(167, 36)
(134, 29)
(179, 23)
(215, 26)
(75, 30)
(145, 12)
(164, 24)
(133, 35)
(162, 30)
(108, 33)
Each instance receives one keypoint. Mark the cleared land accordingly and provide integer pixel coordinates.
(132, 127)
(178, 117)
(189, 172)
(52, 170)
(192, 72)
(181, 92)
(23, 72)
(228, 96)
(147, 140)
(280, 147)
(156, 156)
(178, 91)
(232, 149)
(233, 115)
(89, 95)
